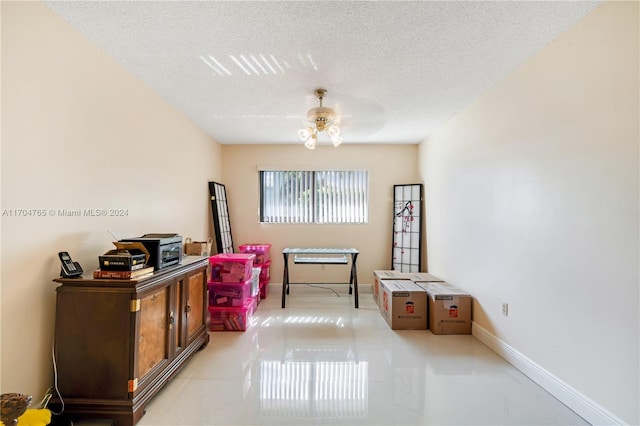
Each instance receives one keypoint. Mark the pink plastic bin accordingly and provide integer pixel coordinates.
(231, 267)
(232, 318)
(260, 250)
(264, 289)
(264, 271)
(230, 294)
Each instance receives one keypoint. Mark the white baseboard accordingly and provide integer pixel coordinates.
(576, 401)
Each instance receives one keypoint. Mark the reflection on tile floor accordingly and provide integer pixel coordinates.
(320, 361)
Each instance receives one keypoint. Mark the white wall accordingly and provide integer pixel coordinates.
(532, 199)
(80, 132)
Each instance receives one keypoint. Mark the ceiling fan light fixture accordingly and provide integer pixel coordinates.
(320, 119)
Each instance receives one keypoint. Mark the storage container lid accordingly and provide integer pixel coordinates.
(231, 257)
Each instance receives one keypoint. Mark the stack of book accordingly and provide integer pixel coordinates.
(122, 265)
(135, 274)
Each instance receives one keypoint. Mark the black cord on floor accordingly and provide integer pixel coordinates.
(325, 288)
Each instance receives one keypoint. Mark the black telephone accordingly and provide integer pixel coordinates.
(70, 269)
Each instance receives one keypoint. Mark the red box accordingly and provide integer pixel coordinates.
(232, 318)
(231, 267)
(264, 289)
(260, 250)
(229, 294)
(264, 271)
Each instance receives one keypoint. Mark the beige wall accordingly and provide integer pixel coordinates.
(80, 132)
(387, 165)
(532, 199)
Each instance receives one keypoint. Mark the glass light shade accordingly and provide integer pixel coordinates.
(333, 131)
(310, 143)
(304, 134)
(337, 140)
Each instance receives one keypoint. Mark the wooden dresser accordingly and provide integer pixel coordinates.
(118, 342)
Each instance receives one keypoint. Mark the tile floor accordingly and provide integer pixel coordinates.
(320, 361)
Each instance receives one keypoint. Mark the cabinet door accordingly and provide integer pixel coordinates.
(92, 342)
(196, 304)
(156, 319)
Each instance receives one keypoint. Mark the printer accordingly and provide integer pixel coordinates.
(164, 249)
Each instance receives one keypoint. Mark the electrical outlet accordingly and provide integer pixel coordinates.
(505, 309)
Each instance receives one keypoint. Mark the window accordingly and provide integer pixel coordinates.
(320, 196)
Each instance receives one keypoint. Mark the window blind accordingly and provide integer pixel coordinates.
(314, 196)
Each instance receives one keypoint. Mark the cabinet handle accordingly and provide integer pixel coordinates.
(172, 320)
(187, 309)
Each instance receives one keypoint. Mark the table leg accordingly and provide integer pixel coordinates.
(285, 278)
(354, 276)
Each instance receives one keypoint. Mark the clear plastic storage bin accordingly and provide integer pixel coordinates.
(260, 250)
(231, 267)
(232, 318)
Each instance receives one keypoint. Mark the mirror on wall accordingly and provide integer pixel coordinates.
(220, 212)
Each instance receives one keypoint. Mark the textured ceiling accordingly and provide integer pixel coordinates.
(245, 72)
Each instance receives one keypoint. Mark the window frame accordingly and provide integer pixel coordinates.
(314, 214)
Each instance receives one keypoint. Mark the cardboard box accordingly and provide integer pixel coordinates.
(197, 248)
(449, 309)
(127, 256)
(403, 304)
(383, 275)
(422, 277)
(397, 275)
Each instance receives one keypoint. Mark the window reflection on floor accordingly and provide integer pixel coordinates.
(336, 389)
